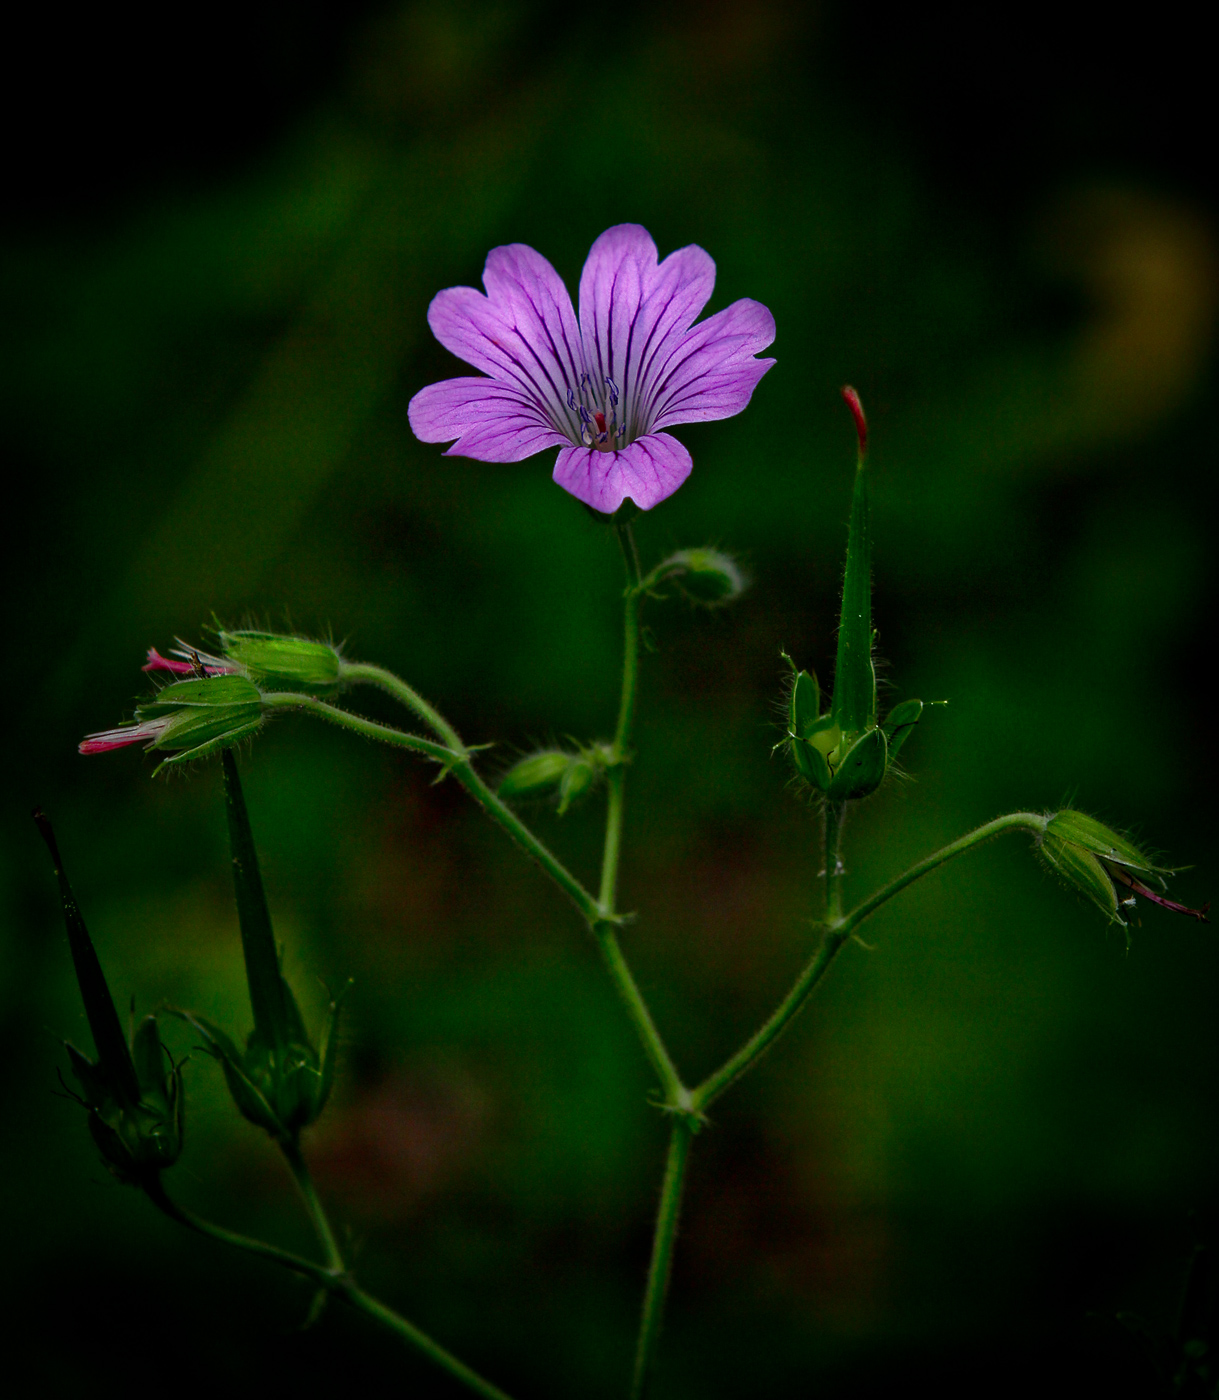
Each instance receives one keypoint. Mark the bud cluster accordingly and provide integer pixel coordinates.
(557, 772)
(218, 700)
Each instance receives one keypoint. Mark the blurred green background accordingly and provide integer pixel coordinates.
(992, 1131)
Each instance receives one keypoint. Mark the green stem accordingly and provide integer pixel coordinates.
(455, 760)
(676, 1094)
(334, 1281)
(838, 930)
(662, 1255)
(317, 1212)
(835, 816)
(368, 728)
(361, 673)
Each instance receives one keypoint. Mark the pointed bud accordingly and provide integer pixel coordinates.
(536, 774)
(579, 777)
(133, 1091)
(854, 673)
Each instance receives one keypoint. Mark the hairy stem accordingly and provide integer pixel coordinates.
(333, 1281)
(457, 761)
(363, 674)
(838, 929)
(662, 1255)
(676, 1094)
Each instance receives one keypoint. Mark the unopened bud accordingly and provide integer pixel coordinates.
(581, 774)
(536, 774)
(705, 576)
(1105, 867)
(188, 719)
(278, 662)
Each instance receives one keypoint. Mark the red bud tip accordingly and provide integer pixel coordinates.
(861, 423)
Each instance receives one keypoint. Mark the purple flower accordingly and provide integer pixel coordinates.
(603, 389)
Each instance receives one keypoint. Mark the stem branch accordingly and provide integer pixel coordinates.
(334, 1281)
(837, 930)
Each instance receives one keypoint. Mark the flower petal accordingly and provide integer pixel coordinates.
(713, 372)
(647, 471)
(522, 333)
(491, 421)
(634, 310)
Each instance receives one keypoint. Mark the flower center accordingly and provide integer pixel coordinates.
(597, 409)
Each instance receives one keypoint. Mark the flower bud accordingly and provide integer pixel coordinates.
(1106, 868)
(189, 719)
(536, 774)
(705, 576)
(283, 663)
(579, 776)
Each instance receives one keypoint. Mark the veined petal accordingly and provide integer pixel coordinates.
(713, 372)
(522, 333)
(647, 471)
(491, 421)
(634, 310)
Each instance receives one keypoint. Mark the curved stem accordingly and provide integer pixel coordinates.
(360, 673)
(455, 760)
(367, 728)
(334, 1281)
(662, 1255)
(838, 930)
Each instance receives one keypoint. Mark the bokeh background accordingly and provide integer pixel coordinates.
(995, 1130)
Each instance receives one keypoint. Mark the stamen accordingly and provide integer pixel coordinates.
(571, 398)
(613, 388)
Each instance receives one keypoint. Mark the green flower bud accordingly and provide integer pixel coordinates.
(1106, 868)
(133, 1091)
(579, 776)
(705, 576)
(538, 773)
(189, 719)
(284, 663)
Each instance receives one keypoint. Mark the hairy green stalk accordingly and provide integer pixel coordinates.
(838, 929)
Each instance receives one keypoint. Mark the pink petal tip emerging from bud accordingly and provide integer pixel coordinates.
(157, 662)
(861, 423)
(108, 739)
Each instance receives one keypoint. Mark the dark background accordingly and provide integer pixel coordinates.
(992, 1133)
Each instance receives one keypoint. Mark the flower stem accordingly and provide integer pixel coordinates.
(838, 929)
(317, 1212)
(334, 1281)
(361, 673)
(457, 761)
(662, 1254)
(835, 816)
(676, 1094)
